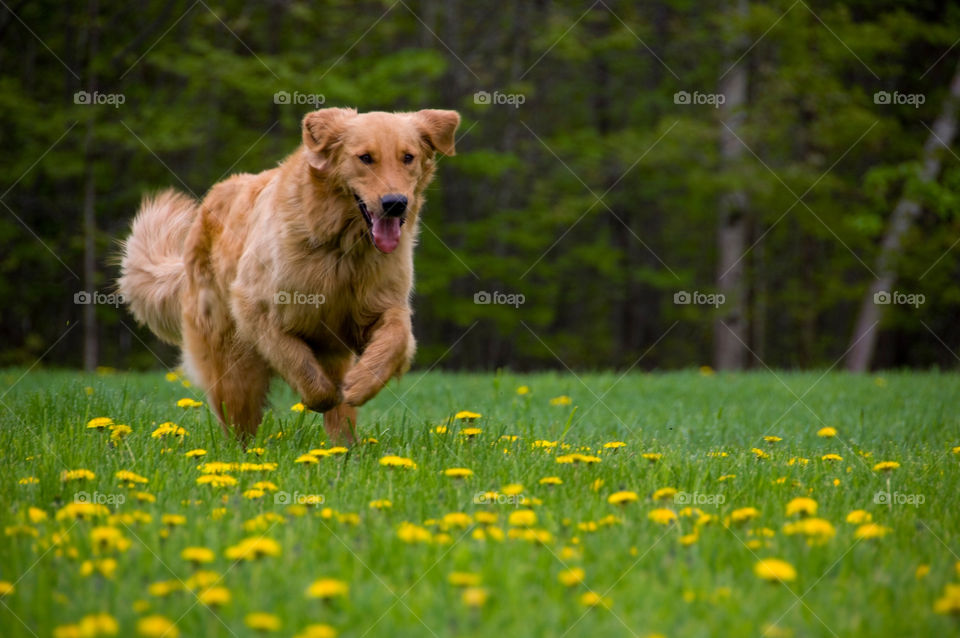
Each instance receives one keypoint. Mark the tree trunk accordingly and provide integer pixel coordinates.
(864, 340)
(90, 333)
(732, 328)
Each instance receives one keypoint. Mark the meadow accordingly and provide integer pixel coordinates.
(669, 504)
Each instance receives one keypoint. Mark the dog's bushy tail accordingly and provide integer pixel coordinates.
(152, 263)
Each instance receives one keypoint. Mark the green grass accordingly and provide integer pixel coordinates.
(844, 587)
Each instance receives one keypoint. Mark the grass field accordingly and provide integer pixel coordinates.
(681, 564)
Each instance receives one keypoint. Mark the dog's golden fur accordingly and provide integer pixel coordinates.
(283, 271)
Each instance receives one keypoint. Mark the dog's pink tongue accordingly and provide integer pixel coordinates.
(386, 233)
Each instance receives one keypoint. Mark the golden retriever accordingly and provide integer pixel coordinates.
(305, 269)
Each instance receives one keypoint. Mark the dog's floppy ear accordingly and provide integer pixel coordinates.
(437, 128)
(321, 133)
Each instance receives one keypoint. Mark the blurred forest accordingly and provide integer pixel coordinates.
(617, 160)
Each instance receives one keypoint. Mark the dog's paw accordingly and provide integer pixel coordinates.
(324, 399)
(358, 393)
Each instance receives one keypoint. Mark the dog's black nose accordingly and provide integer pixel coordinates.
(394, 205)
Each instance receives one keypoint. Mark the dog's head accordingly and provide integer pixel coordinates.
(381, 161)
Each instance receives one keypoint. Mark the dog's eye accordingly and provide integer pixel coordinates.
(407, 158)
(366, 159)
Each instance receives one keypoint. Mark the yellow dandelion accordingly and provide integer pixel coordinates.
(522, 518)
(614, 445)
(665, 493)
(197, 555)
(99, 423)
(802, 506)
(522, 390)
(622, 497)
(317, 630)
(760, 454)
(157, 627)
(381, 504)
(261, 621)
(572, 576)
(653, 457)
(298, 407)
(593, 599)
(327, 588)
(253, 548)
(551, 480)
(474, 596)
(214, 596)
(561, 400)
(772, 439)
(187, 402)
(77, 475)
(871, 530)
(458, 472)
(398, 461)
(859, 517)
(471, 432)
(192, 454)
(463, 579)
(662, 516)
(827, 432)
(886, 466)
(775, 570)
(831, 457)
(744, 514)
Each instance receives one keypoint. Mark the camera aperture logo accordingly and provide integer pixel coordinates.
(96, 98)
(495, 498)
(897, 298)
(315, 100)
(899, 99)
(99, 498)
(697, 298)
(510, 99)
(296, 298)
(497, 298)
(699, 99)
(896, 498)
(696, 498)
(296, 498)
(97, 298)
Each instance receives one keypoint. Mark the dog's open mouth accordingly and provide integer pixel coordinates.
(384, 230)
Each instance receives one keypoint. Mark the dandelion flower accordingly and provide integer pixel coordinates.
(760, 454)
(467, 415)
(802, 506)
(522, 390)
(29, 480)
(458, 472)
(622, 498)
(6, 588)
(871, 530)
(949, 603)
(261, 621)
(77, 475)
(253, 548)
(775, 570)
(99, 422)
(217, 480)
(327, 588)
(197, 555)
(859, 517)
(551, 480)
(411, 533)
(831, 457)
(157, 627)
(653, 457)
(561, 400)
(463, 579)
(886, 466)
(665, 493)
(298, 407)
(474, 596)
(827, 432)
(214, 596)
(572, 576)
(471, 432)
(593, 599)
(398, 461)
(614, 445)
(522, 518)
(192, 454)
(187, 402)
(772, 439)
(744, 514)
(662, 516)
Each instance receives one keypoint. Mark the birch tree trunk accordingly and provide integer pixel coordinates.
(731, 328)
(864, 341)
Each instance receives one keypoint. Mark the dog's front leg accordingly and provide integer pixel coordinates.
(387, 354)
